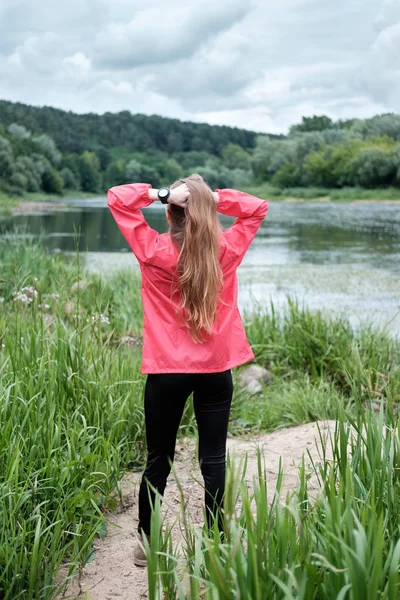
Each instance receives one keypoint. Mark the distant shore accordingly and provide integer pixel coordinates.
(39, 202)
(313, 194)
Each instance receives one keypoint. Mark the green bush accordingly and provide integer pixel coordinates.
(52, 182)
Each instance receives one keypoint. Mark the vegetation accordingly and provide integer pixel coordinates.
(324, 194)
(71, 423)
(53, 151)
(345, 543)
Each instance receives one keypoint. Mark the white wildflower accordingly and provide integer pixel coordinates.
(2, 299)
(25, 295)
(20, 297)
(30, 291)
(100, 317)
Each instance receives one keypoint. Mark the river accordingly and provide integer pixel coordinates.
(337, 257)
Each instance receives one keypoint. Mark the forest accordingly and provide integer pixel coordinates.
(43, 149)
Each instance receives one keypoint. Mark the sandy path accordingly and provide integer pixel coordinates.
(112, 574)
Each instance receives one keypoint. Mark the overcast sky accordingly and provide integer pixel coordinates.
(258, 64)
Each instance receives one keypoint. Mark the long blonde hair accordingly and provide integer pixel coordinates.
(195, 231)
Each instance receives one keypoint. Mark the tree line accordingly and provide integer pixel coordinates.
(46, 149)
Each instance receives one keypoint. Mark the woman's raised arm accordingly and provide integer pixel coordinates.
(250, 212)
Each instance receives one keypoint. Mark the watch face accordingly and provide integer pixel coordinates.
(163, 192)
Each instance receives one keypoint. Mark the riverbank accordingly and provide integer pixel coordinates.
(71, 399)
(388, 195)
(39, 202)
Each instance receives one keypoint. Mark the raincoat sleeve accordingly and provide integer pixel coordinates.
(125, 202)
(250, 212)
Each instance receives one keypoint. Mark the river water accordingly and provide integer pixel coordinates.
(337, 257)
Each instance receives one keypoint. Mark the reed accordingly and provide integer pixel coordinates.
(345, 543)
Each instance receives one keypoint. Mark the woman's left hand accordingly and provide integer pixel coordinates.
(179, 195)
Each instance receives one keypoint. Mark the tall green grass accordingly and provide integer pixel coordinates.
(71, 417)
(303, 342)
(344, 543)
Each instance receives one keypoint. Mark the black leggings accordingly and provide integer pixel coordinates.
(164, 401)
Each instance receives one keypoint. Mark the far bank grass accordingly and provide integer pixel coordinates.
(324, 194)
(71, 399)
(9, 203)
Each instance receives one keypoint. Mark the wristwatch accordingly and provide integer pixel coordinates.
(164, 194)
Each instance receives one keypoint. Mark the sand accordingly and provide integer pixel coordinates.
(112, 574)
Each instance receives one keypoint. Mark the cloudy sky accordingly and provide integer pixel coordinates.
(258, 64)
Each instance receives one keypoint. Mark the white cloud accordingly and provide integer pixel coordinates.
(388, 14)
(387, 45)
(157, 35)
(78, 61)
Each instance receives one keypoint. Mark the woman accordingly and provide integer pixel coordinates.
(193, 333)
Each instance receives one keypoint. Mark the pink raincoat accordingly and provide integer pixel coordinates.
(167, 346)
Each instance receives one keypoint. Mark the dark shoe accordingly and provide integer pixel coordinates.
(139, 554)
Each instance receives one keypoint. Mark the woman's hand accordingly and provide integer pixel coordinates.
(179, 195)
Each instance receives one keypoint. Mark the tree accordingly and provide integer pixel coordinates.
(133, 171)
(277, 162)
(5, 145)
(216, 179)
(373, 167)
(48, 148)
(19, 181)
(234, 157)
(90, 172)
(330, 166)
(306, 143)
(241, 178)
(396, 163)
(52, 182)
(27, 167)
(170, 171)
(287, 176)
(138, 172)
(262, 156)
(6, 164)
(19, 131)
(192, 159)
(315, 123)
(42, 164)
(69, 179)
(386, 124)
(150, 175)
(72, 162)
(174, 141)
(114, 174)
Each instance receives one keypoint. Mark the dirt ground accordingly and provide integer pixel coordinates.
(112, 574)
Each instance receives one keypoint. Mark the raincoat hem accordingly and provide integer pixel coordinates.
(230, 365)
